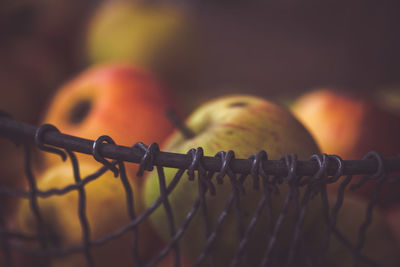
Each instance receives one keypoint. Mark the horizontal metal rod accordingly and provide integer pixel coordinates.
(22, 132)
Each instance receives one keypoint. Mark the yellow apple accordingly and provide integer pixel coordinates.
(245, 124)
(115, 99)
(351, 127)
(106, 211)
(159, 37)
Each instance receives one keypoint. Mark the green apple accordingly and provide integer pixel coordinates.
(245, 124)
(106, 211)
(380, 242)
(159, 37)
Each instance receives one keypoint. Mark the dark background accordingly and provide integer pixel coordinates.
(270, 48)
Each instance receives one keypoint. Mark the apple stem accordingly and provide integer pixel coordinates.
(178, 123)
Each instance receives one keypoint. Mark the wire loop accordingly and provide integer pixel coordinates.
(379, 171)
(197, 155)
(226, 158)
(291, 164)
(97, 155)
(322, 160)
(197, 164)
(41, 130)
(339, 172)
(147, 161)
(257, 167)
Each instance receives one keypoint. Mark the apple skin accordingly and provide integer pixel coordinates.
(380, 243)
(351, 127)
(112, 99)
(245, 124)
(155, 36)
(348, 126)
(106, 211)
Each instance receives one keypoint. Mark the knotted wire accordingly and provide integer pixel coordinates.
(129, 194)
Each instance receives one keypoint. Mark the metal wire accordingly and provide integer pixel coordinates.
(15, 130)
(306, 180)
(82, 211)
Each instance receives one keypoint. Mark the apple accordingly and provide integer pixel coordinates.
(351, 127)
(112, 99)
(380, 243)
(106, 212)
(245, 124)
(346, 125)
(159, 37)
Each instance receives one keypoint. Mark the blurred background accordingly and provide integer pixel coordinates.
(198, 49)
(276, 49)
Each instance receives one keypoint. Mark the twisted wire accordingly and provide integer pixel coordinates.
(256, 171)
(237, 190)
(217, 228)
(33, 201)
(202, 185)
(329, 219)
(196, 156)
(82, 211)
(169, 212)
(381, 177)
(129, 194)
(279, 222)
(293, 180)
(147, 160)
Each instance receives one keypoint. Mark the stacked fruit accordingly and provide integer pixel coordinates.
(128, 100)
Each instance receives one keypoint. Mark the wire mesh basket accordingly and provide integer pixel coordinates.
(286, 217)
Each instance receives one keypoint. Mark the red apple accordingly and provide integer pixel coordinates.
(351, 127)
(118, 100)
